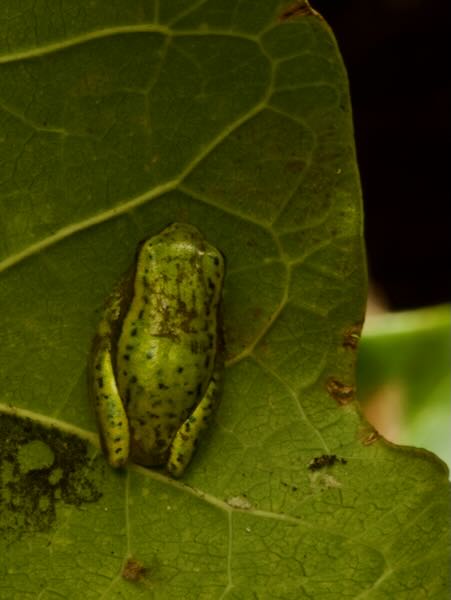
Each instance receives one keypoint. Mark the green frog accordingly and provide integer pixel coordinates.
(156, 364)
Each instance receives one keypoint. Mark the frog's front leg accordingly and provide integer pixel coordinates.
(185, 441)
(111, 416)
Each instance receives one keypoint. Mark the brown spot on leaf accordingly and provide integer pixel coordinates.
(351, 337)
(298, 9)
(370, 438)
(340, 392)
(133, 570)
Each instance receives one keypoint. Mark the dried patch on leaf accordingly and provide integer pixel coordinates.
(340, 392)
(323, 481)
(42, 468)
(239, 502)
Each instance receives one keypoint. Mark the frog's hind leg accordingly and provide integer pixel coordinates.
(187, 436)
(111, 416)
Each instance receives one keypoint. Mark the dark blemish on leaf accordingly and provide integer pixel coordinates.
(129, 347)
(325, 460)
(340, 392)
(100, 382)
(133, 379)
(133, 570)
(98, 366)
(141, 314)
(162, 386)
(133, 332)
(179, 369)
(149, 355)
(216, 260)
(32, 497)
(126, 356)
(146, 299)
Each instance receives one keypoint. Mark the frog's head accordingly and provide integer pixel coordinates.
(181, 244)
(181, 232)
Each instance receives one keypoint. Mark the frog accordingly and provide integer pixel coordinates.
(156, 363)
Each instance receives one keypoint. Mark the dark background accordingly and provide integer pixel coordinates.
(397, 56)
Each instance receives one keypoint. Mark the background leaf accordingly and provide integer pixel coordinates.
(404, 378)
(117, 120)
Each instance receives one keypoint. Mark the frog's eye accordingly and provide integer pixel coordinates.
(214, 259)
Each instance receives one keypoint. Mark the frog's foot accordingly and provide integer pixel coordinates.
(187, 436)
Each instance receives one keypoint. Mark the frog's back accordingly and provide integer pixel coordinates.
(171, 334)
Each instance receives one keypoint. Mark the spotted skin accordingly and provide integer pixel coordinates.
(185, 441)
(155, 365)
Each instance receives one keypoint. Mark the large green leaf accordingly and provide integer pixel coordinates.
(118, 118)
